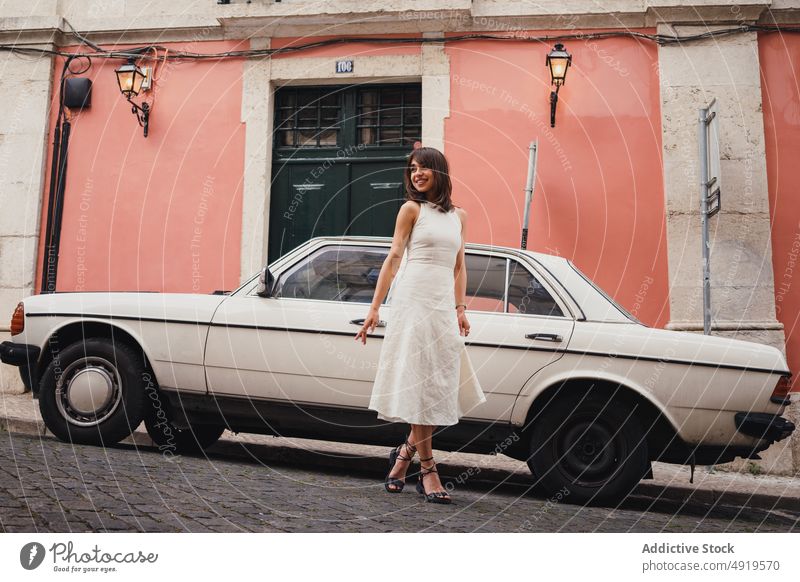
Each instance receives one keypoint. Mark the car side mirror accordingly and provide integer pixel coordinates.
(265, 282)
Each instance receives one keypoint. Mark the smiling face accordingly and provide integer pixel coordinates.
(421, 177)
(427, 177)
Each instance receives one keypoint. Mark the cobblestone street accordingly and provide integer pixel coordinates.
(50, 486)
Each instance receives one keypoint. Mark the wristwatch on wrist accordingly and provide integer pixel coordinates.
(461, 305)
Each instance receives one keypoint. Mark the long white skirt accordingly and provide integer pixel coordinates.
(424, 373)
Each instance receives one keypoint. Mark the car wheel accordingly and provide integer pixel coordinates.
(170, 439)
(588, 451)
(92, 392)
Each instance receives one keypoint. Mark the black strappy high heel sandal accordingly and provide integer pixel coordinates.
(398, 484)
(436, 496)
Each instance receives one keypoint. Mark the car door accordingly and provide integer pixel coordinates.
(517, 327)
(300, 344)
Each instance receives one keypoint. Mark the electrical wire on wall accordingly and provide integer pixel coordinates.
(58, 175)
(140, 52)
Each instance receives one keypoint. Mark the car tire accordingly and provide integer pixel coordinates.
(158, 420)
(93, 392)
(588, 450)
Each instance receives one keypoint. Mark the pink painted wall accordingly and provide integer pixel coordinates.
(161, 213)
(598, 197)
(780, 89)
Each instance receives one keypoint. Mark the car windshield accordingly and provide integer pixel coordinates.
(621, 309)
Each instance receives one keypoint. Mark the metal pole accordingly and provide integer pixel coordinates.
(533, 149)
(702, 136)
(49, 253)
(58, 211)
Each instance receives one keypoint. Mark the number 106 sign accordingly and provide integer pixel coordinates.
(344, 66)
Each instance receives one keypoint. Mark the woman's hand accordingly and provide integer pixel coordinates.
(463, 324)
(370, 322)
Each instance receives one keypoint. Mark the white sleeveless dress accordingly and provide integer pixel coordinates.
(424, 373)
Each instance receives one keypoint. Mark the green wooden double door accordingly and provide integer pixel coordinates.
(338, 161)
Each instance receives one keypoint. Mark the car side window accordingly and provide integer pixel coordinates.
(485, 283)
(527, 295)
(344, 273)
(487, 287)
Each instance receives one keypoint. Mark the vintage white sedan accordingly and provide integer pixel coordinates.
(575, 386)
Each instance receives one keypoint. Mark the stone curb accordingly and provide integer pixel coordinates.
(485, 475)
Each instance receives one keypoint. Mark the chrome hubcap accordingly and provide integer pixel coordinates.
(89, 391)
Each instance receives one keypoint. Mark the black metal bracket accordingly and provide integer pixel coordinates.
(142, 114)
(553, 104)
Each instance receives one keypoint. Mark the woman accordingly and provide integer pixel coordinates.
(424, 377)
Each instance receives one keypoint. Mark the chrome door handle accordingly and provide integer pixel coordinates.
(548, 337)
(381, 323)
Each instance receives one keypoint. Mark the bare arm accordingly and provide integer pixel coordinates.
(460, 270)
(402, 229)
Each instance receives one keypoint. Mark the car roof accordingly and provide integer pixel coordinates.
(545, 258)
(594, 305)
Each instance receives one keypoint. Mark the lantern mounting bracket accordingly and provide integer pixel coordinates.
(553, 104)
(142, 114)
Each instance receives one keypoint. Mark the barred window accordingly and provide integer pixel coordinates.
(389, 115)
(308, 117)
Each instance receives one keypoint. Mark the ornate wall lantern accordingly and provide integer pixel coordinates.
(558, 61)
(131, 80)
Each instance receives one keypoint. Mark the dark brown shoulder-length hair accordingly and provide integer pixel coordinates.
(432, 159)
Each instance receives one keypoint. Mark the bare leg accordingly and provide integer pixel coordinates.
(422, 435)
(401, 466)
